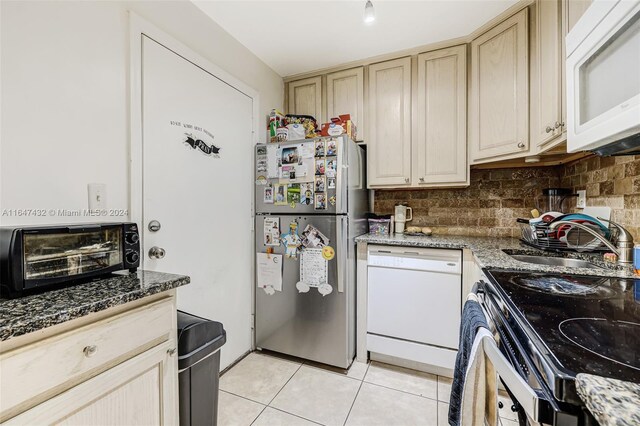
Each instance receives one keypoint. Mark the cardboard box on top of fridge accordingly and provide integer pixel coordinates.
(340, 125)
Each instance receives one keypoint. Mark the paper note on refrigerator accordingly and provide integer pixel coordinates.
(272, 161)
(313, 267)
(269, 271)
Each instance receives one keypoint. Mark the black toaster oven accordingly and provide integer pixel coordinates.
(38, 257)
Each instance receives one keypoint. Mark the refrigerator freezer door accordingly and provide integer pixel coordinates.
(309, 325)
(294, 156)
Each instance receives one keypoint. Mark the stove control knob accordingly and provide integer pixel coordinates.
(132, 238)
(132, 257)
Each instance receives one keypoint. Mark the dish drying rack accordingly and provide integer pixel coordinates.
(540, 236)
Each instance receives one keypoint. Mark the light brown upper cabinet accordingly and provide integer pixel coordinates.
(547, 97)
(499, 102)
(305, 97)
(440, 145)
(345, 95)
(574, 9)
(389, 130)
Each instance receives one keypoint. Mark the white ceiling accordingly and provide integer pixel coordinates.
(298, 36)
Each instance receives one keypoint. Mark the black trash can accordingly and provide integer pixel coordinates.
(199, 343)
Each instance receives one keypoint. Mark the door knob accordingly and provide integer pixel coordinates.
(156, 252)
(154, 226)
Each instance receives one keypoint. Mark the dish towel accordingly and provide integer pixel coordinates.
(474, 389)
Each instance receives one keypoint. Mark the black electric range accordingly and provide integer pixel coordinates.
(555, 326)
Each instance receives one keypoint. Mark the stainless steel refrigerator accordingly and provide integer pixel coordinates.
(311, 325)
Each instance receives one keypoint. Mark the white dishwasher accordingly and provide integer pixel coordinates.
(414, 303)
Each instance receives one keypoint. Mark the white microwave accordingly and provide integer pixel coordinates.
(603, 79)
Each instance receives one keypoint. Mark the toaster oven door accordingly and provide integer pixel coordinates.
(71, 253)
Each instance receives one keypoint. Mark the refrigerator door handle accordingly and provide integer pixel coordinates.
(343, 252)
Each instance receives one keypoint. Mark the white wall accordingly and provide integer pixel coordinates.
(65, 95)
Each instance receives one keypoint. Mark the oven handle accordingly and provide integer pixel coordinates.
(523, 393)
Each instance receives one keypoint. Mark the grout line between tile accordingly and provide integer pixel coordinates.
(408, 393)
(243, 397)
(283, 386)
(354, 402)
(295, 415)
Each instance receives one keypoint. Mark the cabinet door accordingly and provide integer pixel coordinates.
(305, 97)
(499, 90)
(574, 9)
(441, 142)
(547, 121)
(389, 131)
(140, 391)
(345, 95)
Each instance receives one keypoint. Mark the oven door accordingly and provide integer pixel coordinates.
(515, 368)
(69, 253)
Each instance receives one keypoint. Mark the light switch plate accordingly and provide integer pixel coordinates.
(97, 196)
(582, 199)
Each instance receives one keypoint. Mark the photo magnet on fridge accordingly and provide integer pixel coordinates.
(280, 194)
(321, 202)
(331, 147)
(320, 148)
(331, 167)
(268, 195)
(320, 184)
(306, 194)
(313, 238)
(320, 167)
(290, 155)
(331, 183)
(293, 194)
(271, 231)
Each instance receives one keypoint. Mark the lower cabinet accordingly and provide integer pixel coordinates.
(117, 367)
(140, 391)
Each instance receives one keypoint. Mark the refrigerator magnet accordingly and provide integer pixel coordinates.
(302, 287)
(290, 155)
(325, 289)
(331, 183)
(328, 252)
(313, 238)
(280, 194)
(320, 167)
(271, 231)
(261, 180)
(291, 241)
(330, 169)
(321, 202)
(320, 184)
(306, 194)
(331, 147)
(332, 200)
(267, 197)
(293, 194)
(320, 148)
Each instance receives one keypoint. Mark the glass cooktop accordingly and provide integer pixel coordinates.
(584, 324)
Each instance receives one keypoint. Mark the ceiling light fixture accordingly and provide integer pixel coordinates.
(369, 14)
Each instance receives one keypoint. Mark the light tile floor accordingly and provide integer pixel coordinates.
(266, 390)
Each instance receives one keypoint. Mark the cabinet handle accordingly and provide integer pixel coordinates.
(171, 351)
(422, 179)
(521, 145)
(406, 180)
(559, 124)
(548, 129)
(90, 350)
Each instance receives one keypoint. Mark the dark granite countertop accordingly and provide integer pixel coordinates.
(612, 402)
(491, 252)
(36, 312)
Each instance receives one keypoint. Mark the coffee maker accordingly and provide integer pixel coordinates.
(403, 214)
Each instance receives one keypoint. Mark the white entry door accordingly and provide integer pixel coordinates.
(197, 182)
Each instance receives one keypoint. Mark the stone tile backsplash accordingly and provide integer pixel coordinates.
(609, 181)
(496, 198)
